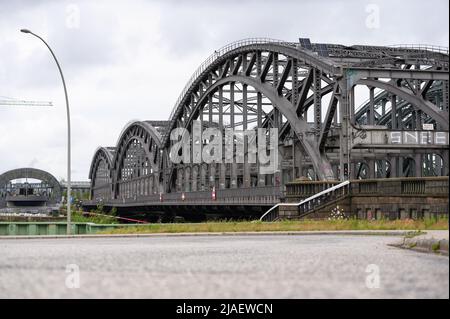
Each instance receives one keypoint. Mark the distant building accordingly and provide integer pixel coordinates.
(34, 191)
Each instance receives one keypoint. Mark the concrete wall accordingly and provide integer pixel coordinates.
(390, 198)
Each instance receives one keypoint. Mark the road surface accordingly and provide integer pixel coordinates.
(315, 266)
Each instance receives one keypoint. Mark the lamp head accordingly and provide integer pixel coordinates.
(25, 31)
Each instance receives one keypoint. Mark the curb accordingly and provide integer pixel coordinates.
(262, 233)
(427, 245)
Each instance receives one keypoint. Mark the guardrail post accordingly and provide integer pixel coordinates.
(32, 229)
(12, 229)
(51, 229)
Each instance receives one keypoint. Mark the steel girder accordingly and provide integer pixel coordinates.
(425, 106)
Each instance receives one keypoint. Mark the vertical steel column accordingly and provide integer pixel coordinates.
(371, 164)
(394, 112)
(275, 81)
(211, 166)
(212, 175)
(246, 165)
(202, 176)
(400, 168)
(261, 177)
(351, 96)
(295, 82)
(418, 119)
(233, 175)
(203, 169)
(344, 110)
(383, 107)
(418, 167)
(222, 165)
(445, 159)
(317, 102)
(194, 178)
(445, 106)
(371, 112)
(294, 99)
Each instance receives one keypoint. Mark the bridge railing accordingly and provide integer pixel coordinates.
(325, 197)
(259, 195)
(213, 57)
(267, 195)
(422, 47)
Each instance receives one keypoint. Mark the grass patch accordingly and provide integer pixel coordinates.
(414, 234)
(302, 225)
(77, 217)
(436, 246)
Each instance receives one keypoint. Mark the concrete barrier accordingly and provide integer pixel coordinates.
(53, 228)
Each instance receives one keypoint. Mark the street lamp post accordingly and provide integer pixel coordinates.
(68, 129)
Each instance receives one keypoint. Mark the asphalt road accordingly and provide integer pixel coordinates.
(220, 267)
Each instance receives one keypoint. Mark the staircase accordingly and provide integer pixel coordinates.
(311, 204)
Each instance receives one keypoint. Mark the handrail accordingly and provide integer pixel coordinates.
(425, 47)
(326, 191)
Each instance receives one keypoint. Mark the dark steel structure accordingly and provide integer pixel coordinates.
(312, 93)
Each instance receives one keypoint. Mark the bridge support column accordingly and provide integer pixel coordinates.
(394, 112)
(212, 175)
(151, 190)
(222, 175)
(445, 106)
(418, 123)
(202, 185)
(344, 112)
(194, 178)
(401, 172)
(317, 78)
(246, 174)
(371, 110)
(180, 173)
(418, 167)
(298, 160)
(445, 160)
(233, 178)
(187, 178)
(394, 167)
(371, 164)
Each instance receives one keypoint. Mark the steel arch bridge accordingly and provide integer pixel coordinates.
(311, 93)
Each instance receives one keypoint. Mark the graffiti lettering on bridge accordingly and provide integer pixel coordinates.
(418, 137)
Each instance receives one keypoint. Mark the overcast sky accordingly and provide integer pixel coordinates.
(127, 60)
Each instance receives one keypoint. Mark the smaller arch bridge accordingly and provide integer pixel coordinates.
(42, 194)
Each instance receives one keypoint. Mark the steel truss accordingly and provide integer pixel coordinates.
(309, 92)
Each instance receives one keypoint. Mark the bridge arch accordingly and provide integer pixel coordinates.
(34, 173)
(136, 159)
(100, 173)
(273, 70)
